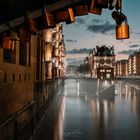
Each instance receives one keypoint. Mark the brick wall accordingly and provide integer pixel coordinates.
(16, 82)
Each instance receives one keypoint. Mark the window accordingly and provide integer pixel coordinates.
(29, 57)
(5, 78)
(22, 53)
(25, 77)
(29, 76)
(10, 54)
(13, 77)
(19, 77)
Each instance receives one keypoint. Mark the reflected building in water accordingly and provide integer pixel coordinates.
(130, 94)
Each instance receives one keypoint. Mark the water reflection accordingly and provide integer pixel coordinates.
(129, 94)
(112, 115)
(58, 130)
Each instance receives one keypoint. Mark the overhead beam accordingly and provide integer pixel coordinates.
(60, 5)
(37, 13)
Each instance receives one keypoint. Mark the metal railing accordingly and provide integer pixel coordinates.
(24, 123)
(10, 128)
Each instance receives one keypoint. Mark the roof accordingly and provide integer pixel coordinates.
(104, 51)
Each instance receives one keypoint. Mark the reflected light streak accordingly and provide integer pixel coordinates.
(112, 82)
(65, 93)
(105, 112)
(105, 84)
(126, 86)
(105, 107)
(127, 91)
(134, 103)
(86, 97)
(65, 90)
(98, 83)
(59, 129)
(98, 107)
(78, 88)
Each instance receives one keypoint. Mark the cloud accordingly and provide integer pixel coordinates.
(74, 61)
(100, 26)
(71, 41)
(134, 46)
(80, 21)
(79, 51)
(97, 21)
(128, 52)
(138, 33)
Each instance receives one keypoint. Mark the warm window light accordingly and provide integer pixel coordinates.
(56, 52)
(48, 35)
(53, 60)
(48, 52)
(57, 35)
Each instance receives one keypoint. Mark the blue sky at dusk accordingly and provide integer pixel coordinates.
(91, 30)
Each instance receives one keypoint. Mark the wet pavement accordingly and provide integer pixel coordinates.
(93, 110)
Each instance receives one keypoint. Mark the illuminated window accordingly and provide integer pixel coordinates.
(10, 54)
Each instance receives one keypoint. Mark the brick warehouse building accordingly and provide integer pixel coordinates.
(28, 64)
(134, 64)
(129, 67)
(102, 62)
(121, 68)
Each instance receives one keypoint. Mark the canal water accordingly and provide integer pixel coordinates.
(94, 110)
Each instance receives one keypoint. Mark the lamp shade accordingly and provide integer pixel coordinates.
(7, 43)
(48, 52)
(57, 36)
(48, 35)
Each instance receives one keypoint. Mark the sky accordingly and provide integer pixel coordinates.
(91, 30)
